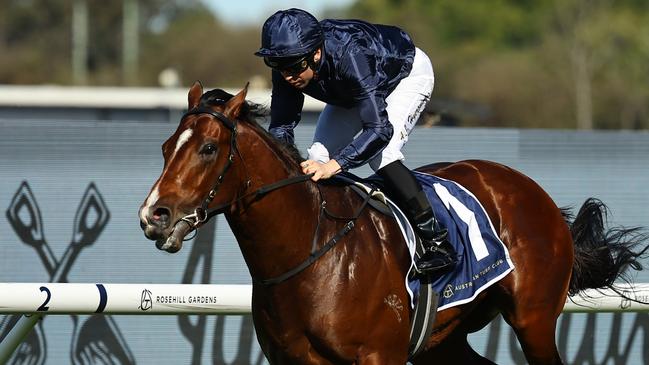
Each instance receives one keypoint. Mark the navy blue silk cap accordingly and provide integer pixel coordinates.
(290, 33)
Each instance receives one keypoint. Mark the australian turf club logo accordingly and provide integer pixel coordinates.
(98, 336)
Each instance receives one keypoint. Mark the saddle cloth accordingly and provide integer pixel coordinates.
(483, 259)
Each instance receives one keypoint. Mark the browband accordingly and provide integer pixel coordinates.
(218, 115)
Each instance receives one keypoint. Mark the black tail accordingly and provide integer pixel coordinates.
(602, 256)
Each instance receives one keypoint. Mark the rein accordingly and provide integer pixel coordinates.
(259, 193)
(202, 214)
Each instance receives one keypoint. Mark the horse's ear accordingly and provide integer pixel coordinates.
(195, 94)
(233, 106)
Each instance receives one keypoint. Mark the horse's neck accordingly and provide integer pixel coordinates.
(277, 232)
(277, 229)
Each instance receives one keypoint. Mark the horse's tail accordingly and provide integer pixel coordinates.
(602, 255)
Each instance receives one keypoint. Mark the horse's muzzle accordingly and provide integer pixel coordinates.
(174, 242)
(157, 228)
(170, 240)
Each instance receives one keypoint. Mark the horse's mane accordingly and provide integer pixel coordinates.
(250, 113)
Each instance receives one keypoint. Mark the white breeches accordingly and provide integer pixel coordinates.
(337, 126)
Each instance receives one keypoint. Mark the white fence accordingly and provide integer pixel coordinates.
(118, 97)
(67, 298)
(37, 299)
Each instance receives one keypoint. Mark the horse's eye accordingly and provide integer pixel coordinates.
(209, 149)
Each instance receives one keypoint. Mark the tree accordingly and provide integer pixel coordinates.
(30, 42)
(604, 42)
(202, 48)
(535, 63)
(532, 63)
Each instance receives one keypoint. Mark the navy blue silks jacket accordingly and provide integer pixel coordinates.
(361, 64)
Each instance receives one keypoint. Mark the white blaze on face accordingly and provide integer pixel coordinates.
(183, 138)
(150, 201)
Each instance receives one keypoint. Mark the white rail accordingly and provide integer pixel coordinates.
(610, 301)
(68, 298)
(37, 299)
(117, 97)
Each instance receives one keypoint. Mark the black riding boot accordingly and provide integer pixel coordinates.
(438, 254)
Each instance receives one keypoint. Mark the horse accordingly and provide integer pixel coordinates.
(349, 304)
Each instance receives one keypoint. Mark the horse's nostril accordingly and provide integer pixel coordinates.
(161, 216)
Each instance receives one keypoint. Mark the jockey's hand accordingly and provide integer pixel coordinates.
(320, 170)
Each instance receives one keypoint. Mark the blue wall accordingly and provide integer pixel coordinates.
(59, 160)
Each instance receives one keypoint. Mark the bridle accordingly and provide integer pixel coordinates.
(202, 214)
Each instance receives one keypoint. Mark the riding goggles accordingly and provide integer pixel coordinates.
(291, 66)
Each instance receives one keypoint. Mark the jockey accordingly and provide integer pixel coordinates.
(374, 81)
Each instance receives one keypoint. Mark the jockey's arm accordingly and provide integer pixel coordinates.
(375, 136)
(286, 109)
(377, 129)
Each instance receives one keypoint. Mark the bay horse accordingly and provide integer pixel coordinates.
(350, 305)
